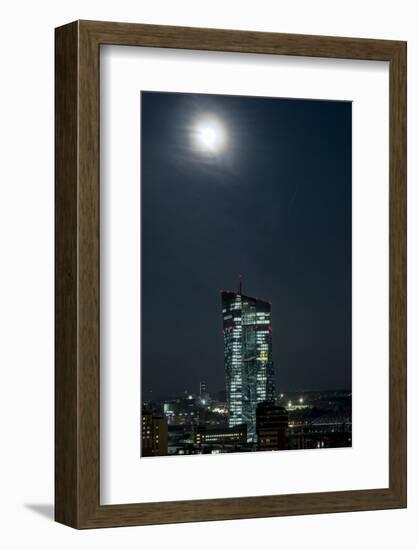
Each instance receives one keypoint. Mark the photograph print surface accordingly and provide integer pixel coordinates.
(245, 274)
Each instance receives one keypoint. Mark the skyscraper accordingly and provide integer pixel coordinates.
(247, 334)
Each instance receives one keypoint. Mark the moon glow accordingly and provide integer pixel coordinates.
(209, 135)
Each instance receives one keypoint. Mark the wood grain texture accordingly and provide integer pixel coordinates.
(66, 258)
(398, 273)
(78, 285)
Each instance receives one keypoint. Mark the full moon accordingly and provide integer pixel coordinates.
(210, 135)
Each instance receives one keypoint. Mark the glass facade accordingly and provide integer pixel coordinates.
(247, 332)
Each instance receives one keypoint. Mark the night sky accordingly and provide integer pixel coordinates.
(274, 204)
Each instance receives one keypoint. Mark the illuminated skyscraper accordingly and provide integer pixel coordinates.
(247, 331)
(203, 389)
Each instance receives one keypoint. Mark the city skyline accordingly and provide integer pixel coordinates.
(273, 203)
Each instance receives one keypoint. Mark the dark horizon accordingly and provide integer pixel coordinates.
(150, 396)
(274, 206)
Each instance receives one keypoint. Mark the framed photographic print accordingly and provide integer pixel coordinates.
(230, 274)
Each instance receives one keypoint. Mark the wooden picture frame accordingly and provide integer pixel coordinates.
(77, 359)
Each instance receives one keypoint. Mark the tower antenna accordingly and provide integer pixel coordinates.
(240, 285)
